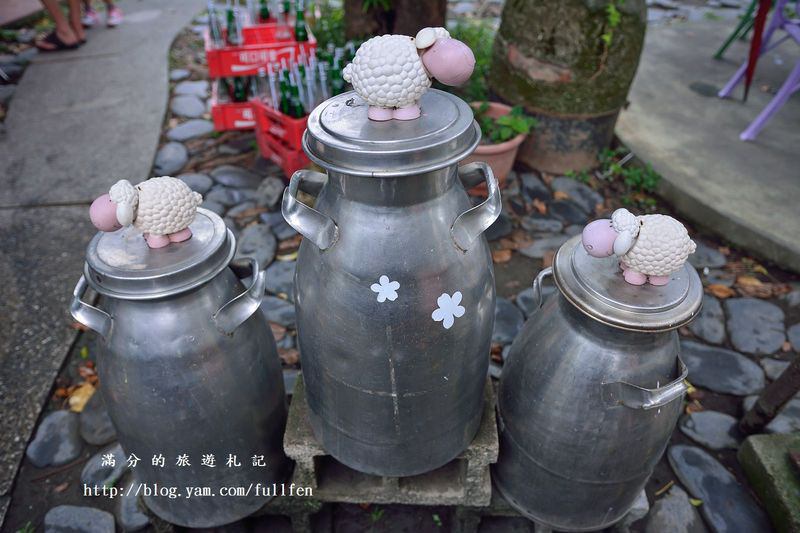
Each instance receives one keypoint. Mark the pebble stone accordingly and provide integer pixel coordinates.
(195, 88)
(270, 191)
(95, 425)
(712, 429)
(280, 278)
(283, 230)
(279, 311)
(228, 196)
(674, 513)
(568, 212)
(191, 129)
(234, 176)
(706, 257)
(170, 159)
(638, 510)
(130, 517)
(788, 418)
(197, 182)
(574, 229)
(773, 367)
(580, 193)
(721, 370)
(709, 325)
(57, 440)
(501, 227)
(258, 241)
(178, 74)
(72, 519)
(96, 473)
(290, 376)
(187, 106)
(526, 302)
(794, 336)
(534, 188)
(236, 211)
(508, 320)
(25, 56)
(727, 506)
(541, 224)
(755, 326)
(543, 244)
(214, 207)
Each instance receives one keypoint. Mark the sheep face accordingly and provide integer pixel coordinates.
(598, 238)
(103, 213)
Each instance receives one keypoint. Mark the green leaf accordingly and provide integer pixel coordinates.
(695, 502)
(84, 352)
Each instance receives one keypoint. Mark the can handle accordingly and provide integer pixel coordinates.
(88, 315)
(635, 397)
(472, 222)
(537, 285)
(310, 223)
(233, 314)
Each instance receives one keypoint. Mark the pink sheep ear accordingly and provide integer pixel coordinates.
(623, 243)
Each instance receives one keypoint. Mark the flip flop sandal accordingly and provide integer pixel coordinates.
(55, 40)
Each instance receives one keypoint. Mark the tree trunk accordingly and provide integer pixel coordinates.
(772, 399)
(405, 17)
(550, 57)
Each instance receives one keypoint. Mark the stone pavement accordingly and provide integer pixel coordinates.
(746, 192)
(79, 119)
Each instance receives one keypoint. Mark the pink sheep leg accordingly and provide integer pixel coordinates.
(156, 241)
(634, 278)
(658, 280)
(379, 113)
(180, 236)
(409, 112)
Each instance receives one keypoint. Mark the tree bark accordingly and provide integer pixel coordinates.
(405, 17)
(771, 399)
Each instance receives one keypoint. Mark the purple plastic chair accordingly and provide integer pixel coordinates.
(791, 27)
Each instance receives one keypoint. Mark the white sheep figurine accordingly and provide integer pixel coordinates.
(162, 208)
(650, 247)
(392, 72)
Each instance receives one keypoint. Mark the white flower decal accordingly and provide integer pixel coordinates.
(449, 309)
(387, 290)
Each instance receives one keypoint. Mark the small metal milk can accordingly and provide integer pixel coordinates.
(591, 390)
(394, 287)
(188, 369)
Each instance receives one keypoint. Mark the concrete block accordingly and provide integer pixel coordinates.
(765, 461)
(463, 481)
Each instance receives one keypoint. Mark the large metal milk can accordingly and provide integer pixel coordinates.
(394, 287)
(188, 369)
(591, 391)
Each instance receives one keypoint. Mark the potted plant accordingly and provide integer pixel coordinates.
(503, 130)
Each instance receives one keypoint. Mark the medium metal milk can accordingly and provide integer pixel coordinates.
(394, 287)
(591, 391)
(188, 369)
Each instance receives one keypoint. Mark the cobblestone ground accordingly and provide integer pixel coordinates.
(745, 336)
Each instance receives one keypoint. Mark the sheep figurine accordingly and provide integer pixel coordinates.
(392, 72)
(162, 208)
(650, 247)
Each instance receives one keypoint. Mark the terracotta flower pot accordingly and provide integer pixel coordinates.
(499, 156)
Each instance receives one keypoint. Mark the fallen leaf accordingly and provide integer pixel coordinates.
(540, 206)
(694, 407)
(664, 489)
(84, 352)
(62, 487)
(547, 258)
(786, 346)
(253, 211)
(278, 331)
(695, 502)
(501, 256)
(290, 356)
(292, 243)
(497, 353)
(720, 291)
(560, 195)
(685, 331)
(759, 269)
(61, 392)
(79, 397)
(547, 178)
(748, 281)
(287, 257)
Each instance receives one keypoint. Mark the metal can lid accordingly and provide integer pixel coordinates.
(120, 265)
(340, 137)
(597, 288)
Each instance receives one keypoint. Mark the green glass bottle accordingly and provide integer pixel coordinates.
(287, 8)
(234, 33)
(295, 104)
(223, 90)
(300, 30)
(283, 87)
(263, 11)
(240, 89)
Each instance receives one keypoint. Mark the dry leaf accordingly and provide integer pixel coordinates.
(290, 356)
(694, 407)
(547, 258)
(547, 178)
(540, 206)
(497, 353)
(748, 281)
(292, 243)
(560, 195)
(786, 346)
(61, 392)
(501, 256)
(287, 257)
(62, 487)
(79, 397)
(720, 291)
(664, 489)
(278, 331)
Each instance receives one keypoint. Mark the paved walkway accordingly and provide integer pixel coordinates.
(78, 121)
(747, 192)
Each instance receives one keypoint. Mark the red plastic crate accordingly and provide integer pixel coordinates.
(231, 115)
(280, 154)
(289, 130)
(260, 46)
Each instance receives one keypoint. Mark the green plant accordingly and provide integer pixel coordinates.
(638, 181)
(479, 36)
(27, 528)
(329, 28)
(366, 5)
(376, 515)
(505, 127)
(437, 520)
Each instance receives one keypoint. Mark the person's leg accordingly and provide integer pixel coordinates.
(113, 14)
(90, 17)
(75, 19)
(63, 30)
